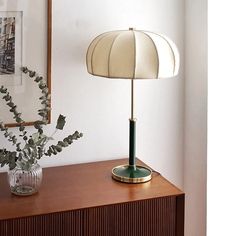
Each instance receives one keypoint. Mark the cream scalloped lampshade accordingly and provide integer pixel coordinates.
(132, 54)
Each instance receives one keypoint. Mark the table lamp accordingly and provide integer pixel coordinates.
(132, 54)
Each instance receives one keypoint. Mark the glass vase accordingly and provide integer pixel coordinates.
(24, 182)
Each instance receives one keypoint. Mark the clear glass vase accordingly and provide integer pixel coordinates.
(24, 182)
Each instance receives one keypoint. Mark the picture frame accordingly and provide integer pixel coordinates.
(30, 25)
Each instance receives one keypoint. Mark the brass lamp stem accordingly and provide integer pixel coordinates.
(132, 130)
(132, 99)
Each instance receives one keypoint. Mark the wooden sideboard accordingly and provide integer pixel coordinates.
(83, 200)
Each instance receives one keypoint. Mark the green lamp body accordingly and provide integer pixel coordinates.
(132, 173)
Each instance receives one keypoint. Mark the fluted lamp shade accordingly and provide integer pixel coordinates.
(132, 54)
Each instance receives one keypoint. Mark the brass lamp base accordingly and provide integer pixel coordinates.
(131, 174)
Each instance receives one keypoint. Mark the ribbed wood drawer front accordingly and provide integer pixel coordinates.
(57, 224)
(141, 218)
(153, 217)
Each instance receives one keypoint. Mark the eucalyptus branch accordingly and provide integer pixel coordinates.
(13, 109)
(54, 149)
(9, 135)
(45, 98)
(34, 147)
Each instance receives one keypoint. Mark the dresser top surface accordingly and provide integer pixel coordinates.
(80, 186)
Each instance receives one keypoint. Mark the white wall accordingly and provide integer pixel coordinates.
(100, 107)
(195, 142)
(221, 172)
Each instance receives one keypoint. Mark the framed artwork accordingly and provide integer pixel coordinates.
(25, 40)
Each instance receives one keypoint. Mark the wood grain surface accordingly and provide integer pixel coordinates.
(80, 186)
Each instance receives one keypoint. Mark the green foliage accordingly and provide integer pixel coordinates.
(61, 122)
(34, 146)
(54, 149)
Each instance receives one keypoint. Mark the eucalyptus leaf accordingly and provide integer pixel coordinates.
(61, 122)
(32, 74)
(22, 128)
(7, 97)
(63, 144)
(10, 104)
(25, 69)
(38, 78)
(58, 148)
(3, 90)
(42, 86)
